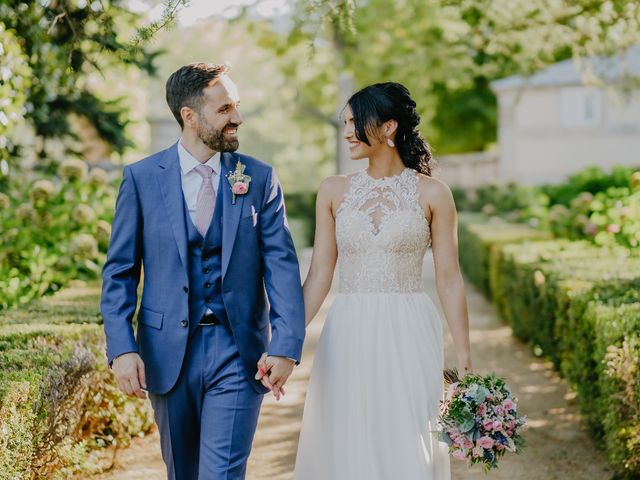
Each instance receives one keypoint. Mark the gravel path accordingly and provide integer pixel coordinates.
(558, 445)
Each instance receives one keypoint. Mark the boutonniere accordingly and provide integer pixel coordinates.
(239, 181)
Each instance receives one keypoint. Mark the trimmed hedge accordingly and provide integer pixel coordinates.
(479, 236)
(576, 303)
(617, 341)
(59, 406)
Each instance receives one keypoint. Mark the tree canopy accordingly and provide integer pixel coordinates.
(50, 49)
(446, 51)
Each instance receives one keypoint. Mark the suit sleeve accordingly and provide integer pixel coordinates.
(121, 272)
(281, 275)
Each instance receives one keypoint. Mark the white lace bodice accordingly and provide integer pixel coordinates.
(382, 235)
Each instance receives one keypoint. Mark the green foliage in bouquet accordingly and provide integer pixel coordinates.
(479, 419)
(53, 230)
(59, 405)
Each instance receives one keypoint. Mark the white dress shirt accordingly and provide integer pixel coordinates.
(191, 180)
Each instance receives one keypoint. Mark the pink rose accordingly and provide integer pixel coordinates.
(497, 425)
(590, 229)
(239, 188)
(508, 404)
(499, 447)
(511, 424)
(459, 454)
(467, 443)
(488, 424)
(486, 442)
(482, 409)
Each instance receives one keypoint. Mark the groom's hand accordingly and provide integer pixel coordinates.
(129, 371)
(274, 372)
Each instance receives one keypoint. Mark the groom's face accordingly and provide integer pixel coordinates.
(218, 118)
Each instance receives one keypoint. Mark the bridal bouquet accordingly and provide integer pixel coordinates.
(479, 419)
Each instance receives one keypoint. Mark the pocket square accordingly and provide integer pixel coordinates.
(254, 215)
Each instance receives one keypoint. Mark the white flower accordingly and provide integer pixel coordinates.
(84, 246)
(42, 190)
(83, 214)
(73, 169)
(98, 176)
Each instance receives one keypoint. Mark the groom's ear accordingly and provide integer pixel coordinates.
(188, 116)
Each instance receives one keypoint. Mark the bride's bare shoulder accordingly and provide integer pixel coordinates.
(334, 187)
(432, 189)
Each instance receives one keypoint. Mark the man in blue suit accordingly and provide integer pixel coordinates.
(207, 226)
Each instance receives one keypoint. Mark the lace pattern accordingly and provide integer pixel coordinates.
(382, 235)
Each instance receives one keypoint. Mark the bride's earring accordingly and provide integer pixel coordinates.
(390, 143)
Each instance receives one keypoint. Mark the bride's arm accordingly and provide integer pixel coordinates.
(325, 252)
(449, 282)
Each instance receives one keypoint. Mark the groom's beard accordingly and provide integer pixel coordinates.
(215, 139)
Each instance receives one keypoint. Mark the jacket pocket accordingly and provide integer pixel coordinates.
(150, 318)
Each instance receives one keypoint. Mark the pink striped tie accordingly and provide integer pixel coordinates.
(206, 199)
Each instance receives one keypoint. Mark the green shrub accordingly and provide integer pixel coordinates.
(541, 287)
(579, 304)
(59, 406)
(478, 235)
(617, 356)
(603, 208)
(592, 180)
(53, 230)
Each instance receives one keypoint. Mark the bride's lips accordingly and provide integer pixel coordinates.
(353, 145)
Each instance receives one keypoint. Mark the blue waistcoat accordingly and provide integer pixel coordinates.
(205, 268)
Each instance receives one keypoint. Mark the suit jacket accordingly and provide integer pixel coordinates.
(258, 261)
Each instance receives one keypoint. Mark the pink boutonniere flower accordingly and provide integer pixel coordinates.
(238, 181)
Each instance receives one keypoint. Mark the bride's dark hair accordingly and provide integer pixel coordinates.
(381, 102)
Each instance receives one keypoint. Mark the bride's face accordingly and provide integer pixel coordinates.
(357, 148)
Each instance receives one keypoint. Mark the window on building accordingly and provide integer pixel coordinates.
(581, 107)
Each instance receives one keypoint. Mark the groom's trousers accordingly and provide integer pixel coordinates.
(208, 419)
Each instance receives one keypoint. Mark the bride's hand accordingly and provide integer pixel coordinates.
(263, 376)
(464, 367)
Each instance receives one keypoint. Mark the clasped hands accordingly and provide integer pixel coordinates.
(274, 372)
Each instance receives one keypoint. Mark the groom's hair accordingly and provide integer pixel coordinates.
(185, 86)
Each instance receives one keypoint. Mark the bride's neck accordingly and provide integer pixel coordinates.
(386, 164)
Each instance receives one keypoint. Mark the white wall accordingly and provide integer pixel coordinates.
(468, 170)
(548, 133)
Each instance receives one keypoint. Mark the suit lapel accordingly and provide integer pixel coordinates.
(170, 180)
(230, 212)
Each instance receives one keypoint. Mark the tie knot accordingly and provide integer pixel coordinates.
(205, 171)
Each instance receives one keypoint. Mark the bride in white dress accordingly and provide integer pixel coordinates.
(376, 382)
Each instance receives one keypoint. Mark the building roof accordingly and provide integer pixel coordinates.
(566, 72)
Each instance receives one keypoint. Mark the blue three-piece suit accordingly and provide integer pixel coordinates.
(201, 377)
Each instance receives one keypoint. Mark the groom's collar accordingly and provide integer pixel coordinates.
(188, 162)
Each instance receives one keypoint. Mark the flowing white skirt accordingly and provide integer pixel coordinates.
(374, 392)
